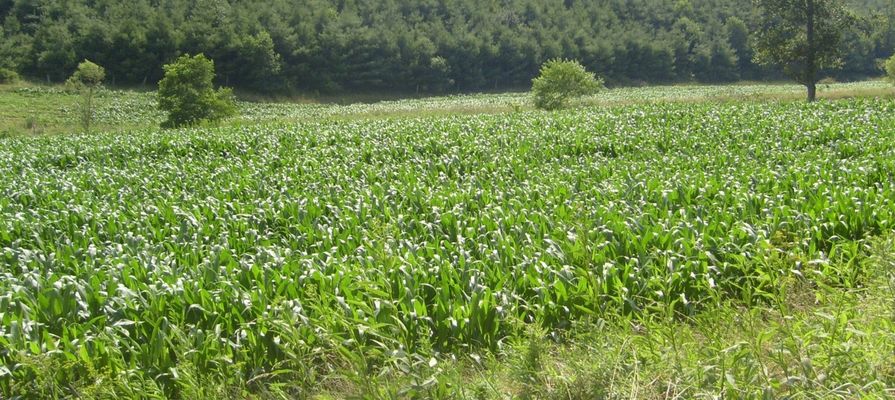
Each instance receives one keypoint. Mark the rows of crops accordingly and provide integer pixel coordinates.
(265, 253)
(118, 109)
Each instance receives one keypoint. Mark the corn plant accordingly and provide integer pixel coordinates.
(276, 254)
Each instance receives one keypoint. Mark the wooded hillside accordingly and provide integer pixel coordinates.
(408, 45)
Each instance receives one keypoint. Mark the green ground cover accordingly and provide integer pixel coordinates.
(27, 109)
(679, 249)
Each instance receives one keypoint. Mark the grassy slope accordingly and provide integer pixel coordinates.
(28, 109)
(812, 342)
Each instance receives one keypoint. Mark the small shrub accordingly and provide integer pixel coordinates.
(187, 93)
(8, 76)
(87, 79)
(560, 81)
(32, 125)
(890, 69)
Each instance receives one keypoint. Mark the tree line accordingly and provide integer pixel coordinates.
(411, 45)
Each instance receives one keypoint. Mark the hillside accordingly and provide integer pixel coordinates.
(406, 45)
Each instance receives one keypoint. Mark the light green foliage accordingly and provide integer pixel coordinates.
(890, 69)
(88, 74)
(187, 93)
(560, 81)
(295, 257)
(87, 79)
(8, 76)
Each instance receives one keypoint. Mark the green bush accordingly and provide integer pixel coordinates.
(87, 79)
(8, 76)
(88, 74)
(187, 93)
(890, 69)
(560, 81)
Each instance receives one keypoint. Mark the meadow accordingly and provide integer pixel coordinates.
(677, 242)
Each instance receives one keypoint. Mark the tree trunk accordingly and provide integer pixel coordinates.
(811, 61)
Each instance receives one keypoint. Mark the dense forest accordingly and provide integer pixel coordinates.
(408, 45)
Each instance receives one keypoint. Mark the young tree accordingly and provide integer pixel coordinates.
(87, 79)
(561, 80)
(187, 93)
(802, 36)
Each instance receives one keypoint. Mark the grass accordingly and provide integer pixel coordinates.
(814, 342)
(665, 249)
(29, 109)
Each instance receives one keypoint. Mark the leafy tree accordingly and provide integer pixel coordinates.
(15, 49)
(8, 75)
(87, 79)
(802, 36)
(561, 80)
(890, 69)
(689, 55)
(738, 37)
(187, 93)
(54, 51)
(254, 61)
(722, 64)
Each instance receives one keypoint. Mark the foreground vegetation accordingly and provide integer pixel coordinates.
(650, 250)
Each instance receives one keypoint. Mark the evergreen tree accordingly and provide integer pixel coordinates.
(409, 45)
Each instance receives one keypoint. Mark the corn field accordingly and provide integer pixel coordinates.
(278, 252)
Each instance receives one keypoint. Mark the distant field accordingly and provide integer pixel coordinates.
(629, 248)
(26, 109)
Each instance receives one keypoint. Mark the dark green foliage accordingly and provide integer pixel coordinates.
(8, 76)
(187, 93)
(560, 81)
(803, 37)
(738, 37)
(408, 45)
